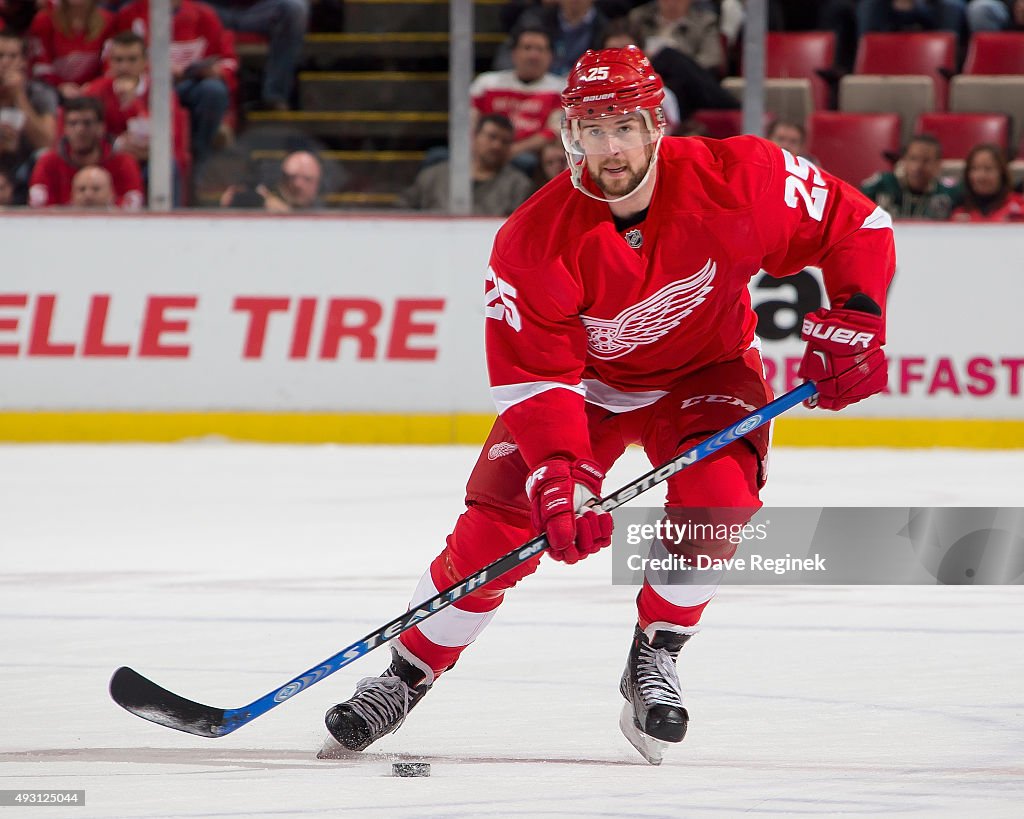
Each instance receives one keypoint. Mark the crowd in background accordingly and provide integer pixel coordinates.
(74, 96)
(56, 53)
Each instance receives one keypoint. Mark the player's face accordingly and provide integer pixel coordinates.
(984, 175)
(618, 151)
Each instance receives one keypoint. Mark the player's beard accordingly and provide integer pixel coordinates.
(624, 184)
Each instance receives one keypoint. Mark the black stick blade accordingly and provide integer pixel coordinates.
(146, 699)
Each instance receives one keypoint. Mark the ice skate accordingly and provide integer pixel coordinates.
(378, 707)
(653, 715)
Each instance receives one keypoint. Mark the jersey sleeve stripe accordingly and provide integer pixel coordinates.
(878, 219)
(509, 395)
(618, 401)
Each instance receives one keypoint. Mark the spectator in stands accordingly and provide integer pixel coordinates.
(850, 19)
(573, 26)
(790, 135)
(988, 194)
(681, 75)
(65, 44)
(299, 187)
(689, 27)
(552, 162)
(203, 65)
(732, 15)
(910, 15)
(527, 94)
(6, 187)
(16, 15)
(124, 93)
(84, 143)
(92, 187)
(915, 190)
(995, 15)
(283, 23)
(28, 121)
(498, 187)
(840, 16)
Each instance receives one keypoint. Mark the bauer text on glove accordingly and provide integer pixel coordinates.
(844, 356)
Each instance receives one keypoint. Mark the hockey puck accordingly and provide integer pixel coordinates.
(410, 769)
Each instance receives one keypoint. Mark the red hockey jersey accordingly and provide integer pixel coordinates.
(533, 108)
(579, 311)
(117, 117)
(197, 34)
(58, 58)
(50, 183)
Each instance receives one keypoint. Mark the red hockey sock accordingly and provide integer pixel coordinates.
(653, 608)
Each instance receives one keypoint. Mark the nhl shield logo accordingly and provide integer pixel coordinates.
(634, 238)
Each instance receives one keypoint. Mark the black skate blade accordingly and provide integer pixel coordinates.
(146, 699)
(332, 749)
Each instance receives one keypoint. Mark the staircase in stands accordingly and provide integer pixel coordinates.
(372, 96)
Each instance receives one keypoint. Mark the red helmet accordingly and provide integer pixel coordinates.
(612, 81)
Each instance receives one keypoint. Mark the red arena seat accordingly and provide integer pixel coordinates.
(958, 133)
(853, 146)
(929, 53)
(802, 54)
(995, 52)
(721, 123)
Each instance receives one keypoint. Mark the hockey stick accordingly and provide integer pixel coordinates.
(148, 700)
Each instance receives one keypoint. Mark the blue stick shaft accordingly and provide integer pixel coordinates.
(237, 717)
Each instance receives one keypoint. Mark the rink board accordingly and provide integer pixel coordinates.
(368, 329)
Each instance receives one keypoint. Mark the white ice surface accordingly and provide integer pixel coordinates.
(221, 571)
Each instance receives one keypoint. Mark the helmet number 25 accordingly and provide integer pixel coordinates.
(800, 174)
(598, 72)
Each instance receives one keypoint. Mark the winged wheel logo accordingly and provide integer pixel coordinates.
(650, 320)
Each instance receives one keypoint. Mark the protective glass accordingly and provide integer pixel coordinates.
(609, 135)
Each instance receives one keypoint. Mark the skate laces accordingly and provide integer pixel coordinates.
(382, 702)
(657, 678)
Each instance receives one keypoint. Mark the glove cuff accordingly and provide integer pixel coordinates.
(587, 473)
(842, 331)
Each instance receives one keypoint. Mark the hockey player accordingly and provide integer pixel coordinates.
(618, 312)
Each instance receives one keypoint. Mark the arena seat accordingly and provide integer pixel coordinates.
(788, 99)
(995, 52)
(794, 63)
(721, 123)
(988, 94)
(908, 96)
(853, 146)
(802, 54)
(958, 133)
(930, 53)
